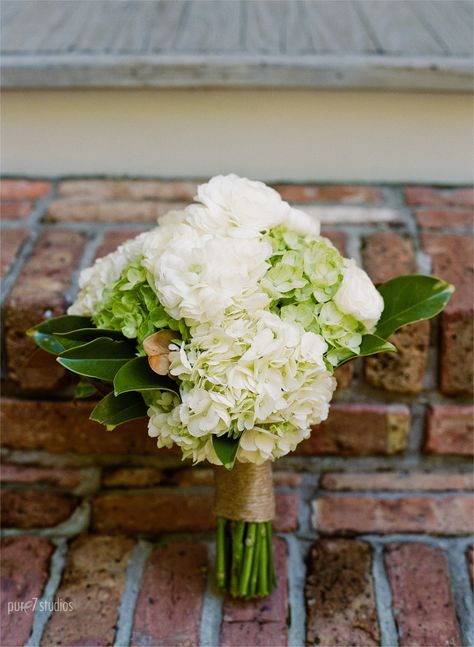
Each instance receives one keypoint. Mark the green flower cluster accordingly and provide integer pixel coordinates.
(305, 274)
(131, 306)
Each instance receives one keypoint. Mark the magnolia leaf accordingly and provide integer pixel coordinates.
(43, 333)
(100, 358)
(370, 345)
(136, 375)
(409, 299)
(84, 389)
(226, 449)
(114, 410)
(88, 334)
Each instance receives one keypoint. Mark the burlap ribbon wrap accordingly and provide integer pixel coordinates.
(245, 493)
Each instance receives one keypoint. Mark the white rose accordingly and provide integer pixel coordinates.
(301, 223)
(359, 297)
(245, 204)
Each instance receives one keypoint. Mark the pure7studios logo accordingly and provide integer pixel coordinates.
(30, 606)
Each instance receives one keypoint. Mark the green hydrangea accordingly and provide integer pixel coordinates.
(132, 307)
(305, 274)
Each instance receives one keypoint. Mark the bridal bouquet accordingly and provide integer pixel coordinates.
(223, 325)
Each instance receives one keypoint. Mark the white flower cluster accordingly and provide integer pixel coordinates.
(267, 302)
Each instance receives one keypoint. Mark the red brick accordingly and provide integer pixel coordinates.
(60, 427)
(133, 477)
(129, 189)
(421, 596)
(35, 508)
(169, 604)
(470, 564)
(39, 289)
(450, 430)
(340, 598)
(443, 515)
(93, 582)
(344, 375)
(463, 197)
(169, 510)
(115, 237)
(11, 241)
(15, 210)
(359, 430)
(337, 238)
(440, 218)
(67, 479)
(273, 608)
(434, 482)
(79, 210)
(387, 255)
(24, 189)
(403, 371)
(453, 261)
(20, 585)
(345, 194)
(254, 634)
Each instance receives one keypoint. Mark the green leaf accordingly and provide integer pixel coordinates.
(226, 449)
(100, 358)
(136, 375)
(114, 410)
(43, 333)
(81, 336)
(371, 344)
(84, 389)
(409, 299)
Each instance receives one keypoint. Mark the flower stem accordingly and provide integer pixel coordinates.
(238, 528)
(248, 558)
(263, 564)
(221, 553)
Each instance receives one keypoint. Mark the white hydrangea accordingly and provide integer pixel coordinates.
(198, 276)
(104, 273)
(358, 296)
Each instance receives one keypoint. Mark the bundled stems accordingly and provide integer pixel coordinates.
(244, 558)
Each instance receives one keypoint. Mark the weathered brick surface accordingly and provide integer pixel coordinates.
(444, 218)
(78, 210)
(34, 508)
(434, 482)
(386, 255)
(169, 604)
(67, 479)
(421, 596)
(346, 194)
(19, 586)
(11, 241)
(24, 189)
(15, 210)
(453, 260)
(93, 581)
(450, 429)
(128, 189)
(273, 608)
(359, 430)
(39, 290)
(403, 371)
(340, 599)
(60, 427)
(463, 197)
(266, 634)
(172, 510)
(443, 515)
(133, 477)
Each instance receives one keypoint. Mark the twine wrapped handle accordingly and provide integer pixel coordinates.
(245, 493)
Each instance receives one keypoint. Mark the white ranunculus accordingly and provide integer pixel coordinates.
(359, 297)
(301, 223)
(245, 205)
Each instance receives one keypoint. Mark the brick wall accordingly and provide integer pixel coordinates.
(374, 511)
